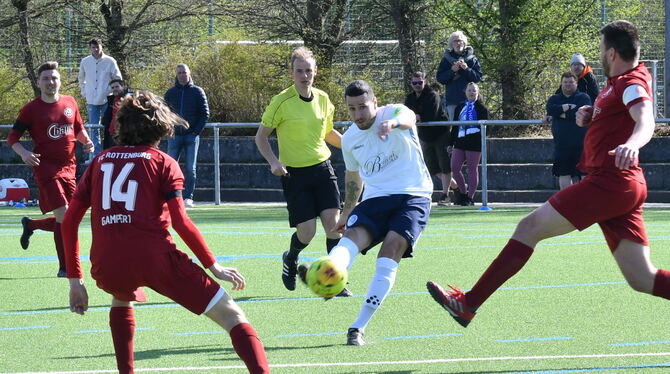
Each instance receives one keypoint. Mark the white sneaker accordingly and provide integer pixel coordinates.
(188, 203)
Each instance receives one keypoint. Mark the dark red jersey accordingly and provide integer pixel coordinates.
(612, 124)
(127, 188)
(53, 128)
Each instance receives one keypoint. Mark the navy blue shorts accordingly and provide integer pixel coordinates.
(309, 191)
(406, 215)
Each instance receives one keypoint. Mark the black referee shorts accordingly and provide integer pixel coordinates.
(309, 191)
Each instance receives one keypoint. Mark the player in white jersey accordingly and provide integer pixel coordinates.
(382, 152)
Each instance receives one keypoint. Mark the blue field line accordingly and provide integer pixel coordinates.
(534, 339)
(310, 334)
(201, 332)
(24, 328)
(648, 366)
(420, 336)
(107, 331)
(641, 343)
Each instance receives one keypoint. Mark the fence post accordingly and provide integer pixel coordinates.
(217, 168)
(485, 192)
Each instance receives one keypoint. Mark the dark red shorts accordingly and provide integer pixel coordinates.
(614, 202)
(172, 274)
(55, 193)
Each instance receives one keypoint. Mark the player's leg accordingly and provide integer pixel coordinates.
(329, 218)
(122, 325)
(392, 249)
(227, 314)
(59, 213)
(30, 225)
(544, 222)
(635, 265)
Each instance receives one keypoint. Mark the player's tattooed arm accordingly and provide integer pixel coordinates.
(353, 186)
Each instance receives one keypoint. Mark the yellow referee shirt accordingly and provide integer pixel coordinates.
(301, 126)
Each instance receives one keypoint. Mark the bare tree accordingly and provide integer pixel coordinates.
(319, 23)
(24, 40)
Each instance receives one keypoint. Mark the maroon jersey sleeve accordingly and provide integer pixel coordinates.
(83, 191)
(172, 178)
(78, 123)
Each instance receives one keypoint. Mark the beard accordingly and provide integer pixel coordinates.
(606, 67)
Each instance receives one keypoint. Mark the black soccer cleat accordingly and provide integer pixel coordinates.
(302, 273)
(345, 293)
(355, 337)
(289, 271)
(27, 233)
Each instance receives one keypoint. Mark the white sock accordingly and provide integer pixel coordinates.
(380, 286)
(344, 252)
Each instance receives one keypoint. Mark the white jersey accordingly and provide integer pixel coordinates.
(387, 167)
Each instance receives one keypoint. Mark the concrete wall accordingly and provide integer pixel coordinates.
(519, 170)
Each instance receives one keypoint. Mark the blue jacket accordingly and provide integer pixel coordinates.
(190, 102)
(565, 130)
(454, 83)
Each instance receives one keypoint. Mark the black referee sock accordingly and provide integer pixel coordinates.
(330, 244)
(296, 247)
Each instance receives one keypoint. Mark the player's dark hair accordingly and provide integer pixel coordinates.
(144, 119)
(569, 74)
(419, 74)
(358, 88)
(117, 80)
(623, 37)
(95, 41)
(49, 65)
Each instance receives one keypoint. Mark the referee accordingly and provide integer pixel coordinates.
(303, 118)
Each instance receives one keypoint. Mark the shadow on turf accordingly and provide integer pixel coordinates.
(101, 306)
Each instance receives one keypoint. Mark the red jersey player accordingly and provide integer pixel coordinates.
(134, 191)
(55, 125)
(621, 122)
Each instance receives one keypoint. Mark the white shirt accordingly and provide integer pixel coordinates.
(94, 77)
(392, 166)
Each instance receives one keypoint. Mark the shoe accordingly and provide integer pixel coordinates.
(444, 200)
(355, 337)
(189, 203)
(470, 201)
(345, 293)
(289, 271)
(61, 273)
(302, 273)
(452, 301)
(27, 233)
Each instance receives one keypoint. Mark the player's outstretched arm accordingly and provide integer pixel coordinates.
(334, 138)
(626, 154)
(69, 229)
(188, 232)
(229, 275)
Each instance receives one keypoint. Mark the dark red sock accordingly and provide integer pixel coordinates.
(45, 224)
(510, 260)
(250, 348)
(662, 284)
(122, 323)
(60, 248)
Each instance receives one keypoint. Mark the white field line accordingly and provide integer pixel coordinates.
(371, 363)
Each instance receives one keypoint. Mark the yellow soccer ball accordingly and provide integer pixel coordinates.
(326, 278)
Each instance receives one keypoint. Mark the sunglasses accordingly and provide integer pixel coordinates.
(417, 83)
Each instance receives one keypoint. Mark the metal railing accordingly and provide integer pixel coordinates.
(216, 126)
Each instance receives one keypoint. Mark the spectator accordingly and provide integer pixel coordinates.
(458, 67)
(586, 80)
(119, 91)
(132, 246)
(95, 73)
(303, 118)
(54, 124)
(425, 103)
(190, 102)
(568, 137)
(466, 145)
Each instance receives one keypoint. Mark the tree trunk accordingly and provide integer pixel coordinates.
(112, 12)
(513, 90)
(24, 39)
(405, 18)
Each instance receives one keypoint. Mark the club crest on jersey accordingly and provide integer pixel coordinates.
(56, 131)
(68, 112)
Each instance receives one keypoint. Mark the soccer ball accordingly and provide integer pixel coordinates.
(326, 278)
